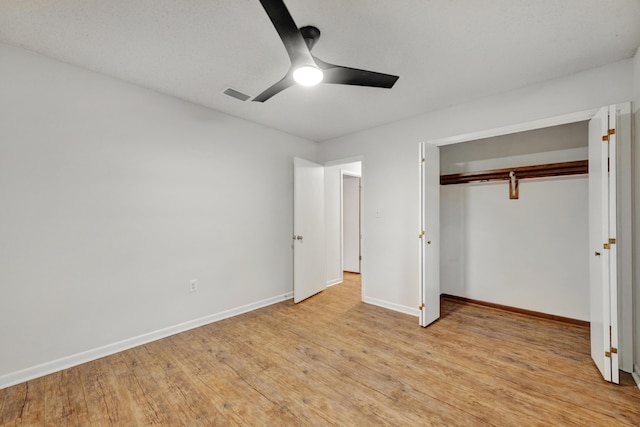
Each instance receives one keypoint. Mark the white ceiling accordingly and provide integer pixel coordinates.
(446, 52)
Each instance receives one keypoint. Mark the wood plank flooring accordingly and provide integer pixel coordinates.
(332, 360)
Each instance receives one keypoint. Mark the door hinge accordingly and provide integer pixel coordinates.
(613, 349)
(421, 306)
(610, 132)
(606, 246)
(607, 354)
(421, 234)
(360, 257)
(612, 241)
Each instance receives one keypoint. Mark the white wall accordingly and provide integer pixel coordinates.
(112, 197)
(332, 203)
(636, 206)
(390, 251)
(530, 252)
(351, 224)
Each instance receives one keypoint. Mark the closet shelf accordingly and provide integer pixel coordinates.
(579, 167)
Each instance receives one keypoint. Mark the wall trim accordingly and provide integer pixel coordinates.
(47, 368)
(465, 300)
(561, 119)
(392, 306)
(334, 282)
(352, 159)
(636, 375)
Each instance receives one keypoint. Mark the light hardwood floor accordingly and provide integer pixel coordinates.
(332, 360)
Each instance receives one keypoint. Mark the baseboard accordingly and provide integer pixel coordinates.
(334, 282)
(392, 306)
(636, 375)
(47, 368)
(577, 322)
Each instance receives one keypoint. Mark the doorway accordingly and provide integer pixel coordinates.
(338, 172)
(318, 225)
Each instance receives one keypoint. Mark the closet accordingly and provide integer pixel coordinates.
(511, 235)
(535, 216)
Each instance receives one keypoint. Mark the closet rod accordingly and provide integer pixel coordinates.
(578, 167)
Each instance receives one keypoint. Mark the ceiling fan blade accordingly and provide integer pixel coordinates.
(288, 31)
(286, 82)
(338, 74)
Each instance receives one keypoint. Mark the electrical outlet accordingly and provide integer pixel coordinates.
(193, 285)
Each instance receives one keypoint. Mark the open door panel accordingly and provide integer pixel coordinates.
(429, 233)
(308, 229)
(603, 260)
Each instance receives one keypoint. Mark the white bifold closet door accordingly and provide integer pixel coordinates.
(429, 233)
(603, 275)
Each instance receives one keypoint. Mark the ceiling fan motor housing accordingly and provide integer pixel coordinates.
(311, 35)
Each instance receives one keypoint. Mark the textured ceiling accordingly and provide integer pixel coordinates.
(445, 51)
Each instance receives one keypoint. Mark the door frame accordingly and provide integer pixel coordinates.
(344, 173)
(625, 302)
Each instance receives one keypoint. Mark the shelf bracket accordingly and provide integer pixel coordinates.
(514, 189)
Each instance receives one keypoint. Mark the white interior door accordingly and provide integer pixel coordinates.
(603, 261)
(308, 229)
(351, 223)
(429, 233)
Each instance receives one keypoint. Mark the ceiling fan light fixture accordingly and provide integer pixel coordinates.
(305, 68)
(307, 75)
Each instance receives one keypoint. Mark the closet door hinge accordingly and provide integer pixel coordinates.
(610, 132)
(421, 306)
(612, 350)
(612, 241)
(421, 234)
(605, 246)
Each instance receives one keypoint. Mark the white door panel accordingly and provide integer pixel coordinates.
(308, 230)
(429, 233)
(351, 223)
(599, 307)
(602, 231)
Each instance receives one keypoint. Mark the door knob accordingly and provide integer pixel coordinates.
(297, 237)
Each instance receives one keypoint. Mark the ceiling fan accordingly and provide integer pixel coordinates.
(305, 68)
